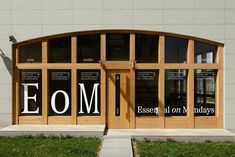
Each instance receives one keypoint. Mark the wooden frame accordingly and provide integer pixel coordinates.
(159, 121)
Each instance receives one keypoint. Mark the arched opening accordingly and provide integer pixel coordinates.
(120, 78)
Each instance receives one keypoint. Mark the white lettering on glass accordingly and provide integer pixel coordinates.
(27, 97)
(83, 94)
(66, 105)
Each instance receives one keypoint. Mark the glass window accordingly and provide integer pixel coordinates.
(205, 82)
(59, 50)
(117, 47)
(204, 53)
(31, 53)
(175, 92)
(88, 92)
(59, 92)
(88, 48)
(175, 50)
(146, 48)
(31, 92)
(146, 92)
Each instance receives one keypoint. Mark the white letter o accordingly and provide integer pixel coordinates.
(66, 105)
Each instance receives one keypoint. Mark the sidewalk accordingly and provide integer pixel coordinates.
(116, 147)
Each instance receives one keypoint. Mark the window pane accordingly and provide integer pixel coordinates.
(146, 48)
(31, 53)
(175, 50)
(204, 92)
(88, 48)
(59, 50)
(31, 92)
(204, 53)
(117, 47)
(146, 92)
(88, 92)
(175, 92)
(59, 92)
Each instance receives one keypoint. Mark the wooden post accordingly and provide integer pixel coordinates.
(190, 84)
(74, 80)
(44, 83)
(161, 81)
(103, 78)
(220, 88)
(132, 82)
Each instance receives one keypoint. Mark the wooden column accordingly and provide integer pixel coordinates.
(74, 80)
(190, 84)
(132, 81)
(161, 82)
(103, 78)
(220, 88)
(16, 87)
(44, 83)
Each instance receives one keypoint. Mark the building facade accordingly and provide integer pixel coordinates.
(110, 70)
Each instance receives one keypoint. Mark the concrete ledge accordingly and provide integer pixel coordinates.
(188, 138)
(176, 134)
(55, 130)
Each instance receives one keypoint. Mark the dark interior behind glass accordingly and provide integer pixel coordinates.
(59, 50)
(31, 77)
(88, 48)
(146, 92)
(59, 80)
(146, 48)
(175, 50)
(31, 53)
(204, 53)
(175, 92)
(117, 47)
(204, 92)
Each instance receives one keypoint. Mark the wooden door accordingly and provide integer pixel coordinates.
(118, 99)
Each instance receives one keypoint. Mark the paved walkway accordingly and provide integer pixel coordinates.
(116, 147)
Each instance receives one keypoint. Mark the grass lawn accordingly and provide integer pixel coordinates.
(28, 146)
(170, 148)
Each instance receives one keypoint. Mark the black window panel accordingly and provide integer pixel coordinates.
(31, 53)
(117, 92)
(117, 47)
(204, 92)
(88, 78)
(88, 48)
(175, 92)
(59, 80)
(146, 48)
(175, 50)
(31, 77)
(59, 50)
(204, 53)
(146, 92)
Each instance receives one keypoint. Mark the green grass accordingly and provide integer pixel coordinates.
(170, 148)
(41, 146)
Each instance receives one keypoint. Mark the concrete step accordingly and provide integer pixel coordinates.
(56, 130)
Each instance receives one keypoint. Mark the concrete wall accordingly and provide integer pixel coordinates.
(210, 19)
